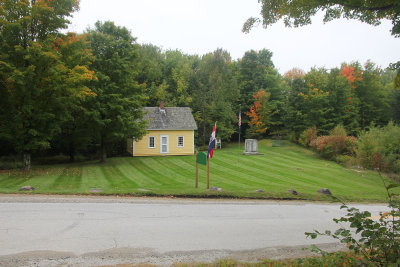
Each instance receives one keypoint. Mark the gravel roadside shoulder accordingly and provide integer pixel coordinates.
(135, 256)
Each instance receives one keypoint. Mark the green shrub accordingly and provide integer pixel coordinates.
(335, 144)
(339, 130)
(345, 160)
(378, 241)
(307, 136)
(292, 137)
(10, 162)
(380, 147)
(331, 146)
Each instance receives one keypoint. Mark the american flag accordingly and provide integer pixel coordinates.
(211, 145)
(240, 120)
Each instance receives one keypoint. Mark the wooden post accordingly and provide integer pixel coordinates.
(197, 173)
(208, 173)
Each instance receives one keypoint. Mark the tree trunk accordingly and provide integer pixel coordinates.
(27, 161)
(103, 151)
(72, 152)
(204, 127)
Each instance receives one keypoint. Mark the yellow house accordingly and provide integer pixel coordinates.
(170, 132)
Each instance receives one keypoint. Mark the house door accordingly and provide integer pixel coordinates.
(164, 148)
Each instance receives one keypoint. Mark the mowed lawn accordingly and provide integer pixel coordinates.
(275, 172)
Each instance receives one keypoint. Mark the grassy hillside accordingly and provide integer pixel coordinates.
(279, 169)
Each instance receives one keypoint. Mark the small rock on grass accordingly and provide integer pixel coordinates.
(292, 191)
(215, 188)
(96, 190)
(325, 191)
(27, 188)
(260, 191)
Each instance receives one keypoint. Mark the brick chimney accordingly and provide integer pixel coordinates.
(161, 108)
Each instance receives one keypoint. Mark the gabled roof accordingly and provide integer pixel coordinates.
(169, 118)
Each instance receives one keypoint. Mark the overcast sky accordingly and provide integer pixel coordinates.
(200, 27)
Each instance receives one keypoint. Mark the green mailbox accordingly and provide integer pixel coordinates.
(202, 158)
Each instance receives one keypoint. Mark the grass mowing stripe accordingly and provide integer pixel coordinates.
(70, 178)
(149, 171)
(332, 177)
(173, 170)
(92, 177)
(133, 173)
(267, 175)
(292, 159)
(125, 171)
(248, 174)
(273, 172)
(232, 180)
(154, 172)
(278, 168)
(141, 174)
(298, 180)
(98, 174)
(186, 176)
(12, 181)
(117, 180)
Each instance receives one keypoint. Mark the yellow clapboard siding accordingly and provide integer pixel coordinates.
(141, 147)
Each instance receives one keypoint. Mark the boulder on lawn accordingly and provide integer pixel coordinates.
(292, 191)
(215, 188)
(325, 191)
(27, 188)
(260, 191)
(95, 190)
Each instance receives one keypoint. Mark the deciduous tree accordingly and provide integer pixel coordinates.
(299, 12)
(119, 101)
(35, 79)
(259, 114)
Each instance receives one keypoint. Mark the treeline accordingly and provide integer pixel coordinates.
(83, 94)
(217, 88)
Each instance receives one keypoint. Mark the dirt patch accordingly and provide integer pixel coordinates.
(149, 257)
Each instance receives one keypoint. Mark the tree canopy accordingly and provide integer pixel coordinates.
(299, 12)
(120, 98)
(68, 93)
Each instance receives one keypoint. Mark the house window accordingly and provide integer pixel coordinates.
(152, 142)
(180, 141)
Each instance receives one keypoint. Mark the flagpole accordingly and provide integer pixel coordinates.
(210, 153)
(240, 111)
(208, 173)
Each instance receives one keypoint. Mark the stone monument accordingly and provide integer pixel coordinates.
(251, 146)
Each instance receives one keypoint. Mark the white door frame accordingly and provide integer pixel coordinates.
(133, 146)
(161, 144)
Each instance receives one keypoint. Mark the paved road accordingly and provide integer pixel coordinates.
(79, 225)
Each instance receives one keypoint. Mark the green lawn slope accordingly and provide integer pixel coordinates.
(275, 172)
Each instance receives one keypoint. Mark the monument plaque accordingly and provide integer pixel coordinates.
(251, 146)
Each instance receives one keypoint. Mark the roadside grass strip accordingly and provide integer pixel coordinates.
(275, 172)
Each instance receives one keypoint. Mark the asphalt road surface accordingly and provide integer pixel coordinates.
(89, 231)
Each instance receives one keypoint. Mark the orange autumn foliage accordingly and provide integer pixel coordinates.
(256, 110)
(70, 38)
(351, 75)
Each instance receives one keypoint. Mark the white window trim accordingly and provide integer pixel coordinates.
(183, 141)
(154, 142)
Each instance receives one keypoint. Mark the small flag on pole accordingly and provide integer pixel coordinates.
(240, 120)
(212, 142)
